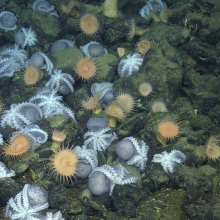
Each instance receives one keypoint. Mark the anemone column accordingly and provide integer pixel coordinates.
(110, 8)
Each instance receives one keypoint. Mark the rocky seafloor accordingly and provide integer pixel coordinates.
(183, 69)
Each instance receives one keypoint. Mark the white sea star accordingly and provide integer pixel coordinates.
(1, 139)
(130, 65)
(20, 208)
(87, 154)
(169, 160)
(139, 158)
(42, 5)
(99, 140)
(61, 82)
(29, 37)
(20, 115)
(12, 59)
(51, 105)
(116, 175)
(5, 172)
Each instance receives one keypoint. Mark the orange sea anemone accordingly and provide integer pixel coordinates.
(86, 68)
(71, 8)
(126, 102)
(89, 24)
(18, 146)
(92, 104)
(212, 149)
(167, 130)
(31, 76)
(143, 46)
(58, 137)
(64, 164)
(158, 106)
(115, 113)
(145, 89)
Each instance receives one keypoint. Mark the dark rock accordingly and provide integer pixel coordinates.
(9, 188)
(58, 198)
(191, 177)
